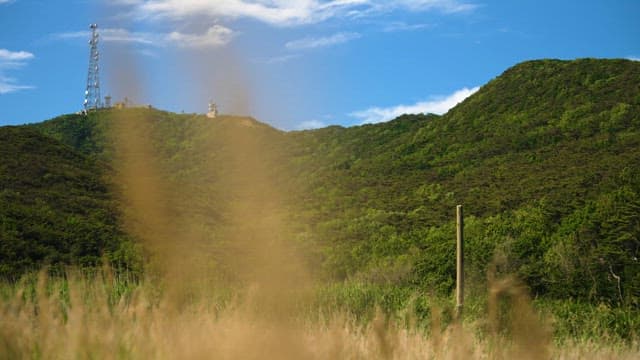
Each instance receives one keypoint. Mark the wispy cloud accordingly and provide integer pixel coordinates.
(446, 6)
(633, 58)
(8, 85)
(320, 42)
(127, 2)
(402, 26)
(5, 1)
(281, 13)
(11, 60)
(277, 59)
(215, 36)
(310, 124)
(114, 35)
(290, 12)
(6, 55)
(438, 105)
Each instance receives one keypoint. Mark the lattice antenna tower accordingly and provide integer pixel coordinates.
(92, 99)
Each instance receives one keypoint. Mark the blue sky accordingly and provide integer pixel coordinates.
(293, 64)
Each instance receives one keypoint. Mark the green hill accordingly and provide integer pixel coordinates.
(545, 158)
(55, 207)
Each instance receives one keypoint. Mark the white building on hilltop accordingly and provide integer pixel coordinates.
(213, 110)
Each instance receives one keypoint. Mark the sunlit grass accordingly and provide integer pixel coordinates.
(103, 316)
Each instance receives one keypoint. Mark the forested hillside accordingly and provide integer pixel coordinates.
(545, 159)
(55, 207)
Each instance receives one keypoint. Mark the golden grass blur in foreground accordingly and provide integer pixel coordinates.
(37, 324)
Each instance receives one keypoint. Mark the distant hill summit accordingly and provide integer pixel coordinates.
(555, 96)
(545, 158)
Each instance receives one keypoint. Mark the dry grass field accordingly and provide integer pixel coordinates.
(92, 317)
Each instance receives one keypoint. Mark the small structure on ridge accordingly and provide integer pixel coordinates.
(213, 110)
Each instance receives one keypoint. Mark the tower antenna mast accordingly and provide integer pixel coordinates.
(92, 99)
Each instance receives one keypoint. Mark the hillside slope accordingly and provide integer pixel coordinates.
(545, 159)
(54, 206)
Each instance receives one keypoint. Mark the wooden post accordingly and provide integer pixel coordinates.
(459, 261)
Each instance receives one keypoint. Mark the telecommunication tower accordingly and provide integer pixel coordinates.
(92, 99)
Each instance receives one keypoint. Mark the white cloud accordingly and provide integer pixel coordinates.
(11, 60)
(215, 36)
(310, 124)
(276, 12)
(289, 12)
(273, 12)
(439, 105)
(147, 52)
(8, 85)
(402, 26)
(6, 55)
(633, 58)
(114, 35)
(312, 43)
(123, 35)
(447, 6)
(126, 2)
(277, 59)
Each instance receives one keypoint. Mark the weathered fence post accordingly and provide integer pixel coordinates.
(459, 261)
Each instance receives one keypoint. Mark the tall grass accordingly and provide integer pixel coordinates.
(102, 316)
